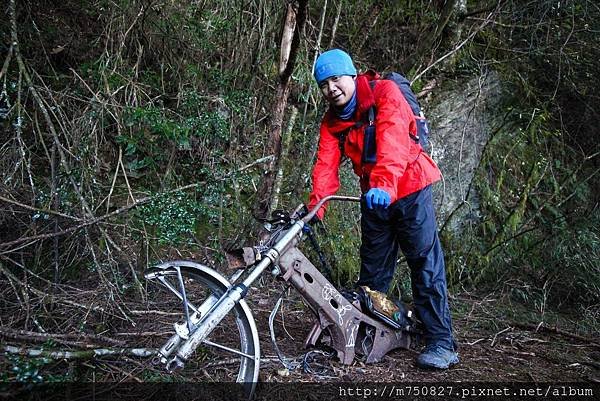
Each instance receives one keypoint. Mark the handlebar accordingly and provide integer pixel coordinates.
(312, 213)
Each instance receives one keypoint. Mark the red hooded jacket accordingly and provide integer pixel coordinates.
(402, 167)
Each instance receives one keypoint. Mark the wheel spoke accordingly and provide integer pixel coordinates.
(224, 348)
(175, 291)
(234, 343)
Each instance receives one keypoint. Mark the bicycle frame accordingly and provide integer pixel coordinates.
(344, 321)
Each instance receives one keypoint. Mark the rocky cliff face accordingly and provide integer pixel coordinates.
(462, 120)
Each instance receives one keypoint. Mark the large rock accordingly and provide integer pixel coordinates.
(462, 119)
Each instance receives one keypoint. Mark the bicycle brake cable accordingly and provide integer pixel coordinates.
(328, 273)
(289, 363)
(309, 363)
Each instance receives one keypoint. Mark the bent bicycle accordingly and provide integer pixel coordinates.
(211, 302)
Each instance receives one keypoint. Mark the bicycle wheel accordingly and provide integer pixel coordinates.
(231, 352)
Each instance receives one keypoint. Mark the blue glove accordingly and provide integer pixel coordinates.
(377, 199)
(311, 224)
(306, 228)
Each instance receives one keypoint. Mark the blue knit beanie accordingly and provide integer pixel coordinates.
(331, 63)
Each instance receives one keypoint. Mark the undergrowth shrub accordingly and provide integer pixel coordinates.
(570, 260)
(538, 234)
(538, 231)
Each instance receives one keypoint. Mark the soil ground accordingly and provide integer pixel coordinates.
(493, 347)
(499, 341)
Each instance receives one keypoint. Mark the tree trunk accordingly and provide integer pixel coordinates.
(290, 42)
(427, 49)
(286, 144)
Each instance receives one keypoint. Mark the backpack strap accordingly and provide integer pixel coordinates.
(369, 154)
(342, 142)
(369, 140)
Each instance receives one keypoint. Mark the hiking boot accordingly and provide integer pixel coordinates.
(436, 357)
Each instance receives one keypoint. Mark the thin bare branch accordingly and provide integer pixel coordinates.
(90, 222)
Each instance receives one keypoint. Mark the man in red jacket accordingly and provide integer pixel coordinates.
(397, 209)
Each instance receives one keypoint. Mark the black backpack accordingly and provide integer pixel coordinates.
(422, 137)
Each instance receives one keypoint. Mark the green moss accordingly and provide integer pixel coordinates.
(524, 189)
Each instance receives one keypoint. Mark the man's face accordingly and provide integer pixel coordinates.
(338, 90)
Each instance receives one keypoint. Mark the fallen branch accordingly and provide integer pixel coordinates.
(153, 312)
(232, 361)
(67, 339)
(479, 340)
(145, 334)
(497, 334)
(87, 354)
(542, 327)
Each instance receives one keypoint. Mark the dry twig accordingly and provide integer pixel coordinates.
(86, 223)
(83, 354)
(64, 338)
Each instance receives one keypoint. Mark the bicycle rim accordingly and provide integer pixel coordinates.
(231, 352)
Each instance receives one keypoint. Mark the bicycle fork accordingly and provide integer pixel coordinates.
(190, 334)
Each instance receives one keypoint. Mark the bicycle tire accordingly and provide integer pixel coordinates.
(199, 278)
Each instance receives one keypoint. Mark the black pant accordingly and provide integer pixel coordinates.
(409, 224)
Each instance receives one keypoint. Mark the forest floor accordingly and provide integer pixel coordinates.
(499, 341)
